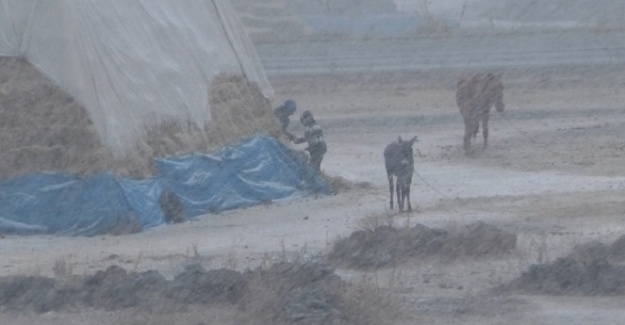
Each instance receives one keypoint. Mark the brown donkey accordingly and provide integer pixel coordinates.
(475, 96)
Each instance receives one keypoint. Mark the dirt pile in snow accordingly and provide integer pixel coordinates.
(590, 270)
(568, 276)
(44, 129)
(115, 289)
(386, 245)
(283, 293)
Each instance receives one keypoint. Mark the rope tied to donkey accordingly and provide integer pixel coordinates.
(532, 140)
(431, 186)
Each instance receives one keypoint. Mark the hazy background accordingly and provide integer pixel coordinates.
(286, 20)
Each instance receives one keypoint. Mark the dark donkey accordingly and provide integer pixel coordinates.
(475, 96)
(399, 161)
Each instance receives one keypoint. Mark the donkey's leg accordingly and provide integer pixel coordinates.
(468, 132)
(485, 129)
(407, 195)
(390, 186)
(476, 130)
(400, 194)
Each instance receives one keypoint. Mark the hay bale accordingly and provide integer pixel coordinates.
(126, 224)
(239, 110)
(44, 129)
(174, 137)
(172, 207)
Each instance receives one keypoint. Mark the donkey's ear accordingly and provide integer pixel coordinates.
(413, 140)
(399, 139)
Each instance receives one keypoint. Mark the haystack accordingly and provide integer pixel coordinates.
(44, 129)
(89, 86)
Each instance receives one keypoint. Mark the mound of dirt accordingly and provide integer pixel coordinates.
(385, 245)
(44, 129)
(587, 270)
(590, 251)
(198, 286)
(116, 289)
(309, 293)
(306, 293)
(616, 251)
(567, 276)
(479, 239)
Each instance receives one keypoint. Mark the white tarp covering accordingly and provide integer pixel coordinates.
(131, 63)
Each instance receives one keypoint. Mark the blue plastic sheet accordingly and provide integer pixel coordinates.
(258, 170)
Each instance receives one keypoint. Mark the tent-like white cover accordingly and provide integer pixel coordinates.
(132, 63)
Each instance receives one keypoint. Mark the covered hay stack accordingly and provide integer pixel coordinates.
(239, 110)
(42, 129)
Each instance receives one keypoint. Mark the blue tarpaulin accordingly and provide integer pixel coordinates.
(257, 170)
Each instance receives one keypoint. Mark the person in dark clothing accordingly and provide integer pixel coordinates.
(283, 112)
(313, 134)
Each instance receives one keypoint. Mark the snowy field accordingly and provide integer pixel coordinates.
(553, 174)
